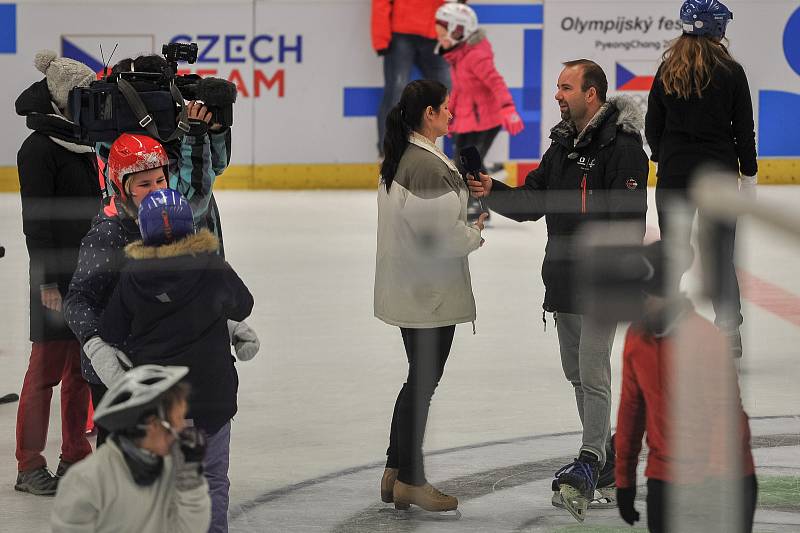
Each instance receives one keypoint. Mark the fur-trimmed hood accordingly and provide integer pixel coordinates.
(627, 118)
(202, 242)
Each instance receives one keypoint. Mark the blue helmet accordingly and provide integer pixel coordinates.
(165, 216)
(705, 17)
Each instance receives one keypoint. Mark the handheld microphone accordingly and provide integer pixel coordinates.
(472, 164)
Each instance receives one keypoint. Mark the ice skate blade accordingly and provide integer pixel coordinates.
(603, 499)
(574, 502)
(416, 513)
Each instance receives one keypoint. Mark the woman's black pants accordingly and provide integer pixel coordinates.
(427, 351)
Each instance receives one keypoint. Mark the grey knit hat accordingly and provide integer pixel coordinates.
(62, 75)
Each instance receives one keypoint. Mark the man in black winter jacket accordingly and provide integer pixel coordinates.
(595, 169)
(60, 195)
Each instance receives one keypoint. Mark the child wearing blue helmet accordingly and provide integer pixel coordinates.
(700, 115)
(172, 306)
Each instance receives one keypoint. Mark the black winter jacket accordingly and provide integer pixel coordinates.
(171, 306)
(716, 128)
(601, 177)
(100, 260)
(60, 192)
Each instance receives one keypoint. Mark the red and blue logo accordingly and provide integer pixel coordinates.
(635, 76)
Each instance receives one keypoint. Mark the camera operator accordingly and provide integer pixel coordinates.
(195, 160)
(60, 196)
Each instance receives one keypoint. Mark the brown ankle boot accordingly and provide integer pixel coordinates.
(387, 484)
(425, 496)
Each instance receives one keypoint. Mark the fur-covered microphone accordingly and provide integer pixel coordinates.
(471, 162)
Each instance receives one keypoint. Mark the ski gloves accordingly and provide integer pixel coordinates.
(625, 498)
(512, 122)
(188, 453)
(108, 362)
(244, 340)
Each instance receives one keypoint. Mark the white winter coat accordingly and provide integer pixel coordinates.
(99, 495)
(422, 277)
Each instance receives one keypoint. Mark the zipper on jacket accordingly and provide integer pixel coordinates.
(583, 194)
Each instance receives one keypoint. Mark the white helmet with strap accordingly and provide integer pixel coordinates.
(460, 21)
(136, 393)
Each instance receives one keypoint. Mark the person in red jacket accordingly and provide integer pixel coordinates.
(479, 100)
(403, 34)
(679, 387)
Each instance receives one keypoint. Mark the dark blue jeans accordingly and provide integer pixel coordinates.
(407, 51)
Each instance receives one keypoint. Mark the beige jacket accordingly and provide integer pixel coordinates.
(98, 495)
(422, 277)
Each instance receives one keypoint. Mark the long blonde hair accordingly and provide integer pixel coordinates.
(689, 62)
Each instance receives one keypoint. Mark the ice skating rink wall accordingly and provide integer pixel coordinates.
(309, 81)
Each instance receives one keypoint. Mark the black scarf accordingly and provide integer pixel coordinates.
(145, 467)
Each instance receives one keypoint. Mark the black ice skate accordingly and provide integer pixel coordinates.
(577, 483)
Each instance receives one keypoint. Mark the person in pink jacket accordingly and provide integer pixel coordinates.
(479, 100)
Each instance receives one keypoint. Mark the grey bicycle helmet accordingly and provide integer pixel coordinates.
(136, 393)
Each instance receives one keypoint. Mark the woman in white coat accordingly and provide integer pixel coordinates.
(422, 280)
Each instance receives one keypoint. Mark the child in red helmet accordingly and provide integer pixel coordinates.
(137, 165)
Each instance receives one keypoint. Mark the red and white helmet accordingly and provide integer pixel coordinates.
(133, 153)
(460, 21)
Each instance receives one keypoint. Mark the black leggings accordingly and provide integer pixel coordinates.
(658, 491)
(98, 391)
(427, 351)
(717, 243)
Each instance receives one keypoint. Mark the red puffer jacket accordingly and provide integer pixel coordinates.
(416, 17)
(479, 96)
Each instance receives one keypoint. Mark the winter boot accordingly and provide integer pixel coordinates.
(63, 466)
(577, 483)
(39, 481)
(425, 496)
(387, 484)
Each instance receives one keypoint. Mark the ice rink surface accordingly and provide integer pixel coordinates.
(314, 406)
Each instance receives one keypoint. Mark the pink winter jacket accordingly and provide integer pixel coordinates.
(479, 92)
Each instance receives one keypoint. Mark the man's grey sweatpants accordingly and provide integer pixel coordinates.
(585, 346)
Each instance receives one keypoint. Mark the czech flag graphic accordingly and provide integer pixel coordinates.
(635, 76)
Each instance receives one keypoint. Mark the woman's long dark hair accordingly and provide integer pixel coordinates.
(406, 117)
(689, 62)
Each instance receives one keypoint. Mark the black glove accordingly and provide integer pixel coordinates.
(197, 127)
(193, 444)
(382, 51)
(625, 498)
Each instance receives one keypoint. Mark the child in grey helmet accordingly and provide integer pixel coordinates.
(148, 477)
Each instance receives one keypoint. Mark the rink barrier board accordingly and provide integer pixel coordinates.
(365, 175)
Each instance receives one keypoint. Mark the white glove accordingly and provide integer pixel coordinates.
(748, 186)
(106, 360)
(244, 340)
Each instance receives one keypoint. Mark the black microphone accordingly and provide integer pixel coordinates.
(472, 164)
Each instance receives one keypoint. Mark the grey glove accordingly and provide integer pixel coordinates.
(748, 186)
(106, 360)
(188, 473)
(244, 340)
